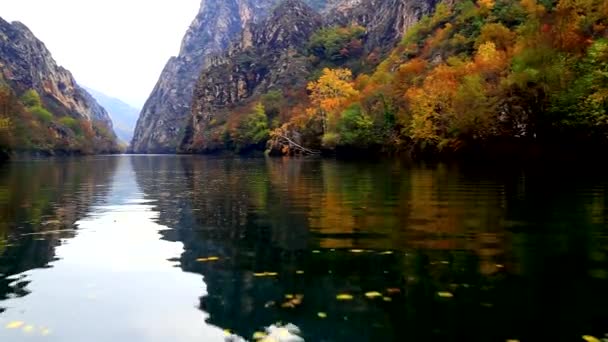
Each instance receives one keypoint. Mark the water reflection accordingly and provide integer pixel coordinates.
(182, 247)
(114, 280)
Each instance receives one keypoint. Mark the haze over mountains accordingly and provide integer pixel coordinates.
(124, 116)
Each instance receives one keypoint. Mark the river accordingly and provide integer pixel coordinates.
(193, 248)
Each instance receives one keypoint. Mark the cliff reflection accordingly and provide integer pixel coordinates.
(452, 252)
(39, 203)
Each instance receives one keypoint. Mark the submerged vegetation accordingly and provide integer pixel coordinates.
(473, 75)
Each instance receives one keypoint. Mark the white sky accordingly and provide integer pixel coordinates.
(118, 47)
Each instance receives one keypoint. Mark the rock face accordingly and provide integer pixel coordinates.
(272, 55)
(232, 53)
(25, 63)
(164, 115)
(269, 55)
(385, 20)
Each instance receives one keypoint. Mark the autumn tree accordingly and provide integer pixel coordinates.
(330, 95)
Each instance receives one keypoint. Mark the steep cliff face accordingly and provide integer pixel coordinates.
(165, 113)
(270, 55)
(273, 55)
(386, 21)
(26, 63)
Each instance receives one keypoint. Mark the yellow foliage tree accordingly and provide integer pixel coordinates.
(331, 94)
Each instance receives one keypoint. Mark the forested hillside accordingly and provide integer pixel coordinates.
(473, 75)
(42, 108)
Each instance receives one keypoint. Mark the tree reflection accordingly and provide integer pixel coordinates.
(39, 203)
(456, 254)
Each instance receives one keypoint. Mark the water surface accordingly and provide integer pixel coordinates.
(183, 248)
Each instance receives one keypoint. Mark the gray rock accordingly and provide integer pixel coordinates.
(164, 114)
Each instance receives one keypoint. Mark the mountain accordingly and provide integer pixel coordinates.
(124, 116)
(164, 114)
(261, 81)
(268, 56)
(43, 108)
(458, 77)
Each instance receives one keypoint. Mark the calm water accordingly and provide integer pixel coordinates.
(179, 248)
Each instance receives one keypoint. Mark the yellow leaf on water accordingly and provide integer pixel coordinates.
(258, 335)
(316, 251)
(266, 274)
(288, 304)
(512, 340)
(14, 325)
(357, 251)
(288, 296)
(393, 290)
(344, 296)
(322, 315)
(373, 294)
(590, 338)
(387, 299)
(211, 258)
(387, 253)
(299, 272)
(445, 294)
(28, 328)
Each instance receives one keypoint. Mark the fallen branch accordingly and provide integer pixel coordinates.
(301, 148)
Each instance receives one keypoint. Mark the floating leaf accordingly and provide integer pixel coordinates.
(445, 294)
(344, 296)
(299, 272)
(288, 305)
(393, 290)
(258, 335)
(211, 258)
(14, 325)
(316, 251)
(28, 328)
(512, 340)
(387, 299)
(322, 315)
(357, 251)
(288, 296)
(387, 253)
(373, 294)
(590, 338)
(266, 274)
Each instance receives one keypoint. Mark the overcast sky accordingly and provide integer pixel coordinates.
(118, 47)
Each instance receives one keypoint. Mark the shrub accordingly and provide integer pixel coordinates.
(41, 114)
(31, 99)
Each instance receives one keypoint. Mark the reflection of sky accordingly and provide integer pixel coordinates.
(113, 281)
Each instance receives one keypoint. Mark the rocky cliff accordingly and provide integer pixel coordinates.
(268, 56)
(26, 64)
(164, 114)
(274, 55)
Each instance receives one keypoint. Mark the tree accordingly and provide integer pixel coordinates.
(31, 99)
(330, 94)
(253, 130)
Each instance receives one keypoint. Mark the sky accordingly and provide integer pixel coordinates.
(118, 47)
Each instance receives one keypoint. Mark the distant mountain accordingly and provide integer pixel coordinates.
(124, 116)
